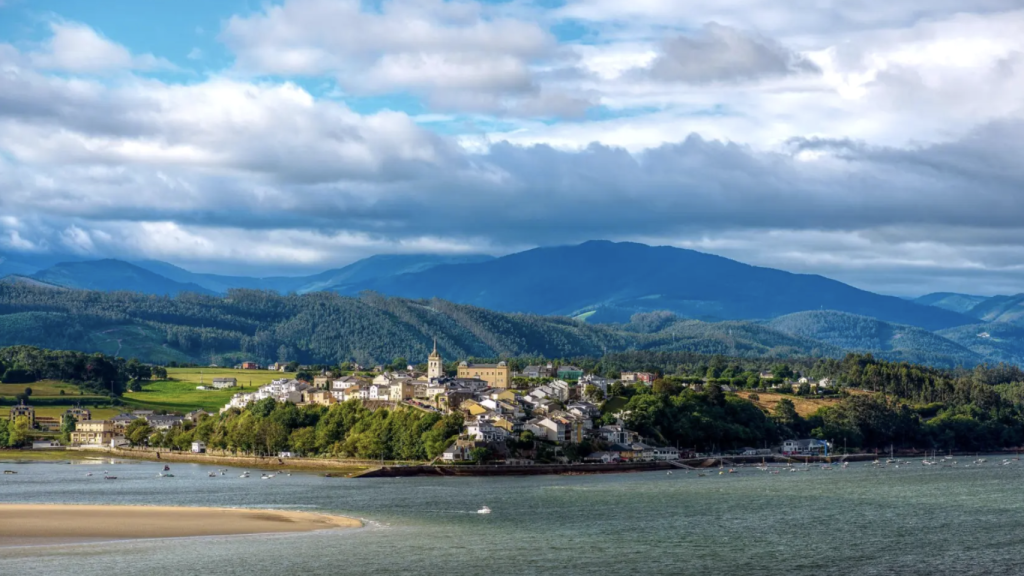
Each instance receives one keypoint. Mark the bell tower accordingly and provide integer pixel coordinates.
(434, 364)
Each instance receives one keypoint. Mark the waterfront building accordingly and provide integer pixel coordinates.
(93, 432)
(496, 375)
(805, 447)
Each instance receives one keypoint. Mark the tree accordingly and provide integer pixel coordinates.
(160, 373)
(785, 412)
(304, 376)
(594, 393)
(17, 431)
(715, 395)
(137, 432)
(67, 426)
(263, 408)
(480, 455)
(303, 440)
(28, 392)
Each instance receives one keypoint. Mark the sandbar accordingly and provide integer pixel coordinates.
(37, 524)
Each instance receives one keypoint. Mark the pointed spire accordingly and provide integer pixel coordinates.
(435, 344)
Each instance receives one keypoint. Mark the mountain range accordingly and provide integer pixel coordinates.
(650, 297)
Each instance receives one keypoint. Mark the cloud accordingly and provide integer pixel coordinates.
(456, 54)
(195, 54)
(720, 53)
(893, 162)
(78, 48)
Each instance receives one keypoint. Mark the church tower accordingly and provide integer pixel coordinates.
(434, 364)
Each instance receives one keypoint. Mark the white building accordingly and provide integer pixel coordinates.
(198, 447)
(222, 383)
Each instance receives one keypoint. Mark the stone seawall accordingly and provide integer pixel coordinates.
(502, 470)
(239, 461)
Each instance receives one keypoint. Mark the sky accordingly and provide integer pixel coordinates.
(876, 143)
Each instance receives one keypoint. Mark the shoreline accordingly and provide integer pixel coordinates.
(60, 524)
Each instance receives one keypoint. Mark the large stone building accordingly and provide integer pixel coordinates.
(496, 375)
(99, 432)
(23, 409)
(78, 413)
(435, 366)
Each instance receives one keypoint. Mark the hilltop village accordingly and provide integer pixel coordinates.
(505, 416)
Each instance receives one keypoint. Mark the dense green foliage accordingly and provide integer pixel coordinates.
(92, 372)
(912, 407)
(343, 430)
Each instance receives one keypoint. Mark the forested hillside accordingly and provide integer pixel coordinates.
(889, 341)
(324, 327)
(311, 328)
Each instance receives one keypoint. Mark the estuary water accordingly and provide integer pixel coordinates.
(861, 520)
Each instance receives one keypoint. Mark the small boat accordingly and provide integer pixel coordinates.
(701, 475)
(212, 474)
(669, 473)
(88, 474)
(110, 477)
(9, 472)
(484, 510)
(166, 468)
(162, 475)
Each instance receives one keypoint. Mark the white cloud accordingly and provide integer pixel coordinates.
(457, 54)
(78, 48)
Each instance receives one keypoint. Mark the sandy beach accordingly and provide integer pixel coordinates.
(28, 524)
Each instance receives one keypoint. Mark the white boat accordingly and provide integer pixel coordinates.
(484, 510)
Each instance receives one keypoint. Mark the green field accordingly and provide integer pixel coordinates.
(58, 411)
(613, 405)
(41, 388)
(179, 394)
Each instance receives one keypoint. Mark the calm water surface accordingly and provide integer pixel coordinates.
(861, 520)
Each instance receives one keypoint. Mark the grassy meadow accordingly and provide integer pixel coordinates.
(178, 393)
(805, 405)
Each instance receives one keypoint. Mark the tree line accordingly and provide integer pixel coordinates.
(346, 429)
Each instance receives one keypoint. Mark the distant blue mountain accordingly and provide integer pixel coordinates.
(361, 271)
(113, 275)
(155, 277)
(26, 264)
(628, 278)
(1000, 309)
(961, 303)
